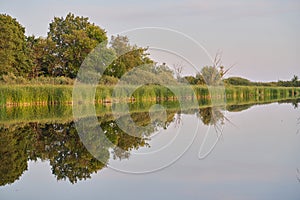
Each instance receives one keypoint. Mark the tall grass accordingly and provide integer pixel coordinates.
(33, 94)
(62, 94)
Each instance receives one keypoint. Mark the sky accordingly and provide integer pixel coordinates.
(259, 38)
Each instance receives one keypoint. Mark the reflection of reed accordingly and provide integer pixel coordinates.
(298, 175)
(298, 123)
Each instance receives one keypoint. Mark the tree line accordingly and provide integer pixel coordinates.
(68, 42)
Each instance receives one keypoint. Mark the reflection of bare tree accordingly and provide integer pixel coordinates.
(298, 175)
(178, 70)
(178, 119)
(212, 116)
(298, 123)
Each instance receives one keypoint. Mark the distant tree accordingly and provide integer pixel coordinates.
(237, 81)
(199, 79)
(74, 38)
(190, 79)
(13, 52)
(295, 81)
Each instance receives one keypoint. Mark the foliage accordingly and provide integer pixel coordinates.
(70, 39)
(11, 79)
(294, 82)
(41, 52)
(74, 38)
(211, 75)
(237, 81)
(14, 56)
(60, 144)
(13, 156)
(149, 74)
(128, 57)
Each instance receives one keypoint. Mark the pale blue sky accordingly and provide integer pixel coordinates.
(261, 37)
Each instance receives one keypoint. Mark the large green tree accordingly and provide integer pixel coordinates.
(41, 53)
(75, 37)
(13, 52)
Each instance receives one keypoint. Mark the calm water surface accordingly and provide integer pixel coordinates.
(256, 156)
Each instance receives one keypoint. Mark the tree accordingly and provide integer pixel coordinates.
(13, 52)
(238, 81)
(128, 57)
(211, 75)
(41, 51)
(74, 38)
(178, 70)
(120, 44)
(295, 78)
(295, 81)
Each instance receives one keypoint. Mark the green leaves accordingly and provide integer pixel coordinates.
(129, 57)
(13, 52)
(74, 39)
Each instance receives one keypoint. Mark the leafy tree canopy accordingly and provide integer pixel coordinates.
(13, 52)
(129, 57)
(74, 38)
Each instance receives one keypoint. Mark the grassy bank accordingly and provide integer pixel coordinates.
(20, 95)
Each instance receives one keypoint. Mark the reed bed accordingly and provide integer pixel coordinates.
(24, 95)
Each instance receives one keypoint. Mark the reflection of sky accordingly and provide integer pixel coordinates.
(261, 37)
(256, 159)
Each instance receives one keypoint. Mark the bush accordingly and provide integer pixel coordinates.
(11, 79)
(237, 81)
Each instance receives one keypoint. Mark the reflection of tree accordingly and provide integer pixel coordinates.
(13, 156)
(238, 108)
(68, 156)
(138, 133)
(294, 102)
(60, 144)
(123, 141)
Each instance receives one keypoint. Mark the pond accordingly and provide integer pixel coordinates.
(242, 150)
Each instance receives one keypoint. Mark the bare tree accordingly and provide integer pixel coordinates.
(217, 63)
(178, 70)
(218, 59)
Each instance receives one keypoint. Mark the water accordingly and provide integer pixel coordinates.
(256, 155)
